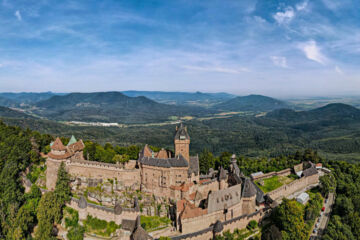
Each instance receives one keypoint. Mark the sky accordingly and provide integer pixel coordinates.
(275, 48)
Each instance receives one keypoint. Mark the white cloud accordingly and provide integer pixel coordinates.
(312, 52)
(338, 70)
(216, 69)
(302, 6)
(279, 61)
(18, 15)
(284, 17)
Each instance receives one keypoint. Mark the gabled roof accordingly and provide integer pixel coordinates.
(146, 152)
(178, 161)
(77, 146)
(249, 190)
(194, 165)
(58, 145)
(72, 140)
(309, 172)
(181, 133)
(162, 154)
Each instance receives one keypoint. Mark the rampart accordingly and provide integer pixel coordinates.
(285, 172)
(229, 225)
(100, 170)
(102, 212)
(293, 187)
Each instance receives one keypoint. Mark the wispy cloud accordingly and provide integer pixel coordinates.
(302, 6)
(217, 69)
(18, 15)
(339, 70)
(284, 17)
(279, 61)
(313, 52)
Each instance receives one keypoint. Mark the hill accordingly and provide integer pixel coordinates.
(10, 113)
(28, 97)
(110, 107)
(6, 102)
(330, 112)
(253, 103)
(182, 98)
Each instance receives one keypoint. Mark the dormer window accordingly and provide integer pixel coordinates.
(182, 137)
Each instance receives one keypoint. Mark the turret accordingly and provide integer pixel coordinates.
(182, 142)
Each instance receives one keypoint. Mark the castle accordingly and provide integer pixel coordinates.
(198, 205)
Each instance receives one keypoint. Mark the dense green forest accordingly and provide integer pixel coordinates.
(333, 130)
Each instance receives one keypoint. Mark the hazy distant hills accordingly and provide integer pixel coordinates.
(10, 113)
(331, 112)
(10, 99)
(110, 107)
(182, 98)
(254, 103)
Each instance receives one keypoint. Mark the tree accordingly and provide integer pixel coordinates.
(48, 212)
(288, 217)
(328, 184)
(62, 188)
(206, 161)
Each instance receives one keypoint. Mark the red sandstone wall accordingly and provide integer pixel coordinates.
(52, 167)
(127, 177)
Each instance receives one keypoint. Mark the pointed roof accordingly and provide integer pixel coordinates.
(139, 233)
(146, 152)
(162, 154)
(58, 145)
(249, 190)
(72, 140)
(82, 202)
(218, 227)
(181, 133)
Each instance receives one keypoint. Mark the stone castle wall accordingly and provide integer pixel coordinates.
(239, 222)
(285, 172)
(52, 167)
(293, 187)
(99, 170)
(103, 213)
(189, 225)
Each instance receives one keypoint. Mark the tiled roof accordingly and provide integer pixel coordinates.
(310, 171)
(181, 133)
(191, 212)
(178, 161)
(194, 165)
(72, 140)
(162, 154)
(249, 190)
(77, 146)
(58, 145)
(218, 227)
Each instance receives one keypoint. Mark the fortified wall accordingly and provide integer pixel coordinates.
(220, 226)
(117, 214)
(285, 172)
(100, 170)
(293, 187)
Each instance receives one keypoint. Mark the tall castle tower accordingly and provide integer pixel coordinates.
(182, 142)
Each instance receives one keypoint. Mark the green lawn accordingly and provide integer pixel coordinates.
(152, 223)
(273, 183)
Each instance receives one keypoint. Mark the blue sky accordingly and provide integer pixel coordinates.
(276, 48)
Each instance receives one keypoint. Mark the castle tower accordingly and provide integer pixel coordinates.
(182, 142)
(55, 157)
